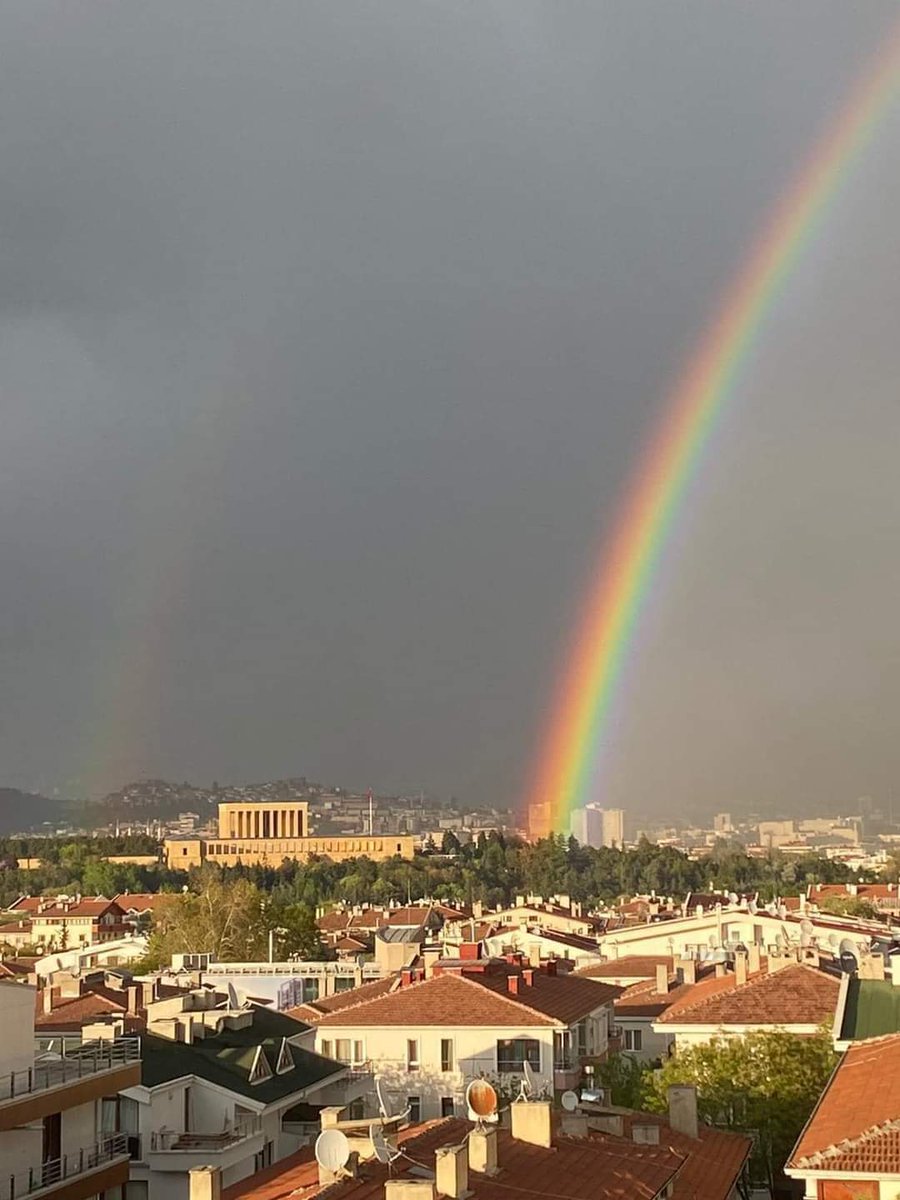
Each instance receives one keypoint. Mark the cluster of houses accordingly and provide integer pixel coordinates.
(190, 1085)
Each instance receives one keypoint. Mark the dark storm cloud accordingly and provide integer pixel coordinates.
(328, 334)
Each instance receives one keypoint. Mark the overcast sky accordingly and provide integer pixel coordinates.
(329, 334)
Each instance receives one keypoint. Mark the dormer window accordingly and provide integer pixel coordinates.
(285, 1058)
(260, 1070)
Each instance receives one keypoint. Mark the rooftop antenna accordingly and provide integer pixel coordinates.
(332, 1151)
(481, 1102)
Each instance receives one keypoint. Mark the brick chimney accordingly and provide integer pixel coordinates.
(688, 969)
(205, 1183)
(550, 966)
(512, 984)
(683, 1110)
(530, 1122)
(452, 1171)
(662, 979)
(740, 968)
(483, 1150)
(409, 1189)
(528, 977)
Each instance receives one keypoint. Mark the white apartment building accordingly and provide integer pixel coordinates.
(429, 1038)
(52, 1137)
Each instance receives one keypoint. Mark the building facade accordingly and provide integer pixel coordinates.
(269, 832)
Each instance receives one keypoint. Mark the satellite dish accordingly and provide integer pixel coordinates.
(807, 929)
(732, 898)
(569, 1101)
(233, 998)
(849, 956)
(380, 1147)
(527, 1084)
(332, 1150)
(751, 907)
(384, 1107)
(481, 1100)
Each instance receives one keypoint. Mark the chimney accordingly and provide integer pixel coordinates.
(530, 1122)
(534, 954)
(778, 961)
(409, 1189)
(753, 959)
(645, 1135)
(551, 966)
(452, 1171)
(512, 984)
(205, 1183)
(721, 970)
(483, 1150)
(871, 966)
(740, 968)
(133, 993)
(528, 977)
(662, 979)
(47, 1000)
(688, 969)
(477, 909)
(683, 1110)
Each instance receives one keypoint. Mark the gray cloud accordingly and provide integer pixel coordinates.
(329, 334)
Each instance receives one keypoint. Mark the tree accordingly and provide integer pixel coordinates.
(450, 843)
(764, 1084)
(222, 916)
(850, 906)
(296, 932)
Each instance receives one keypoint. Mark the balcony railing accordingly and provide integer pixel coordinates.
(57, 1171)
(165, 1141)
(73, 1063)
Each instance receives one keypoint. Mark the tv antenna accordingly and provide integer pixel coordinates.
(481, 1101)
(332, 1151)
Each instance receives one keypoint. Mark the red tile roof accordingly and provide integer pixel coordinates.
(597, 1167)
(640, 966)
(795, 995)
(480, 999)
(142, 902)
(314, 1010)
(856, 1124)
(862, 891)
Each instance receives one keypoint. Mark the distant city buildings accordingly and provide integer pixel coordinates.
(596, 826)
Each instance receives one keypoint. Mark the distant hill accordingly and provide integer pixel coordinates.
(152, 799)
(24, 812)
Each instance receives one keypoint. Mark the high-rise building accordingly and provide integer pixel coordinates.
(613, 827)
(722, 823)
(596, 826)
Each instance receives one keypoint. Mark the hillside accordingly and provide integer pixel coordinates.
(24, 812)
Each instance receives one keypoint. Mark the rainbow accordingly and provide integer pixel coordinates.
(617, 595)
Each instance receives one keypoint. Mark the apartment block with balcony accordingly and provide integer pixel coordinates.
(53, 1144)
(429, 1037)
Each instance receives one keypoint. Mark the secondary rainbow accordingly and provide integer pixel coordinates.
(566, 770)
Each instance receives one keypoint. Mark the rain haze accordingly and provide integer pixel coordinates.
(330, 333)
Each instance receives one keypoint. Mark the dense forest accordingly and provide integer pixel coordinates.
(492, 869)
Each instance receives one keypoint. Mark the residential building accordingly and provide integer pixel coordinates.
(70, 921)
(252, 832)
(220, 1081)
(884, 897)
(593, 1154)
(614, 827)
(782, 993)
(429, 1037)
(850, 1146)
(53, 1138)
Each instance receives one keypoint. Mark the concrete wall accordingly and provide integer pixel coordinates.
(17, 1023)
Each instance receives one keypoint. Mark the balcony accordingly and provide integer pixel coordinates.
(78, 1075)
(358, 1082)
(172, 1151)
(91, 1170)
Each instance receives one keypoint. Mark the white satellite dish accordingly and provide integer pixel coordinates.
(384, 1108)
(233, 998)
(380, 1147)
(527, 1084)
(332, 1150)
(569, 1101)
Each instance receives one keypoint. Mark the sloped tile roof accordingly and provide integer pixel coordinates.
(314, 1010)
(641, 966)
(482, 999)
(796, 995)
(856, 1124)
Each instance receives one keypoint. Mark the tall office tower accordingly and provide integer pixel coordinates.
(722, 823)
(613, 827)
(587, 825)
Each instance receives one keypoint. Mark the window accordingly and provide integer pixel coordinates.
(414, 1104)
(513, 1053)
(447, 1108)
(342, 1050)
(633, 1039)
(325, 1048)
(412, 1054)
(446, 1054)
(359, 1052)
